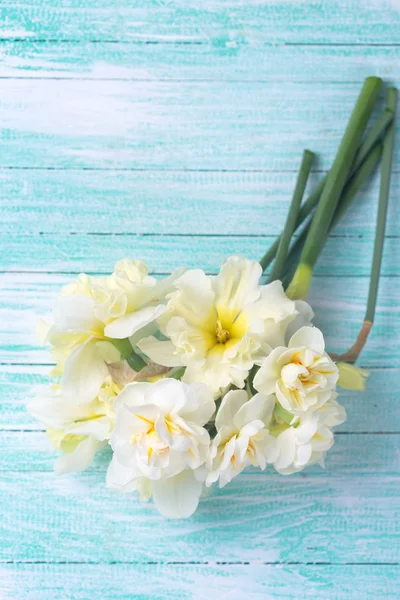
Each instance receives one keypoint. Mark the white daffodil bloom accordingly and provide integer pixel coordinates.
(242, 436)
(218, 326)
(307, 442)
(77, 429)
(123, 305)
(301, 375)
(160, 436)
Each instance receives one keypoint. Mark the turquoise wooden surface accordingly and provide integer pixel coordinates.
(172, 130)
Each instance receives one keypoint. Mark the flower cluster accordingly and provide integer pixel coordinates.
(189, 379)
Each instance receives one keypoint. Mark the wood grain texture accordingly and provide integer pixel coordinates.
(261, 517)
(98, 253)
(164, 124)
(142, 202)
(187, 21)
(197, 582)
(229, 60)
(172, 130)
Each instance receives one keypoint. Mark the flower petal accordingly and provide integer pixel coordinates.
(125, 326)
(162, 353)
(236, 285)
(260, 407)
(270, 371)
(230, 405)
(80, 459)
(177, 497)
(84, 373)
(308, 337)
(200, 405)
(75, 313)
(120, 477)
(304, 317)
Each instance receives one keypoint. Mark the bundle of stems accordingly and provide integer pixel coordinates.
(357, 157)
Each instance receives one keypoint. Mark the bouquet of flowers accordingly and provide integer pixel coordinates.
(192, 378)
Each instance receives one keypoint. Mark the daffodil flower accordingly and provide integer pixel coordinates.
(301, 375)
(160, 436)
(307, 442)
(219, 325)
(242, 436)
(96, 309)
(79, 430)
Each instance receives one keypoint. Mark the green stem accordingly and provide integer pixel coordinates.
(335, 183)
(293, 214)
(362, 174)
(387, 159)
(124, 346)
(372, 137)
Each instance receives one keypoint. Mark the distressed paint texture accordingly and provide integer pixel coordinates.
(173, 130)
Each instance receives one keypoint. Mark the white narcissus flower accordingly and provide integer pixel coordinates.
(123, 305)
(218, 326)
(308, 441)
(79, 430)
(301, 375)
(242, 436)
(160, 436)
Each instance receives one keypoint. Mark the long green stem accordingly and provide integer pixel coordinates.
(354, 352)
(387, 160)
(362, 174)
(293, 214)
(372, 137)
(334, 185)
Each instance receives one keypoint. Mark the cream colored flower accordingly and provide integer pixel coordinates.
(92, 309)
(79, 430)
(218, 327)
(301, 375)
(242, 436)
(160, 436)
(307, 442)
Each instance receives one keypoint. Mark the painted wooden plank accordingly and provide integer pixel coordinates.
(339, 304)
(165, 202)
(30, 451)
(380, 409)
(164, 124)
(230, 61)
(342, 256)
(269, 21)
(260, 517)
(197, 582)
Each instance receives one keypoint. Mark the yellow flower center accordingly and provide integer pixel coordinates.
(222, 335)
